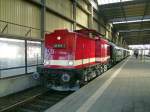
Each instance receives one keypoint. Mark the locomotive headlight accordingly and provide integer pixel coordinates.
(46, 62)
(65, 77)
(70, 62)
(58, 38)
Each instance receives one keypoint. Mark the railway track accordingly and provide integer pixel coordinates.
(40, 103)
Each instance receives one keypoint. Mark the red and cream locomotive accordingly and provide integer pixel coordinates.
(71, 59)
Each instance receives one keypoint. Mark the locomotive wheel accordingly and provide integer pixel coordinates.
(102, 69)
(84, 80)
(105, 68)
(98, 73)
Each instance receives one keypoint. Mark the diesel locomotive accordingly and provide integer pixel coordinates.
(72, 58)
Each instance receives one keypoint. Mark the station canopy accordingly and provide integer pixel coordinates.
(131, 18)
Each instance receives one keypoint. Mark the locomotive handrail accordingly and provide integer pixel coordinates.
(19, 67)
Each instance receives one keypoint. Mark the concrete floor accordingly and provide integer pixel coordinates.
(124, 88)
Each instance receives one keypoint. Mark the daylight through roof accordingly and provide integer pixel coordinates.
(102, 2)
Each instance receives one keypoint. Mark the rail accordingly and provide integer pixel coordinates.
(38, 102)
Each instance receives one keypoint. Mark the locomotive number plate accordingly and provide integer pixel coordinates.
(59, 45)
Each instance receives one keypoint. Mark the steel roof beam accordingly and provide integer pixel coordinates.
(135, 36)
(134, 2)
(133, 30)
(123, 11)
(145, 10)
(124, 14)
(134, 18)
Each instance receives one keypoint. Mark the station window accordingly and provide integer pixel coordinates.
(34, 57)
(12, 57)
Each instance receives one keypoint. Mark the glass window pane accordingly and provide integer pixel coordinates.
(12, 72)
(12, 53)
(32, 69)
(33, 55)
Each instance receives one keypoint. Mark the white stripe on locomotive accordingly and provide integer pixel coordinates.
(75, 62)
(66, 62)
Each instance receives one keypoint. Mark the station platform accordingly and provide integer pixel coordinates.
(124, 88)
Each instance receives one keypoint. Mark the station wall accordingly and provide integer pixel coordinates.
(83, 20)
(15, 84)
(64, 8)
(24, 17)
(60, 24)
(95, 25)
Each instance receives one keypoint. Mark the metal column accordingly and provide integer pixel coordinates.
(74, 13)
(43, 10)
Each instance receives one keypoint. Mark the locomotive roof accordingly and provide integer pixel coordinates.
(112, 44)
(65, 31)
(115, 46)
(83, 32)
(88, 31)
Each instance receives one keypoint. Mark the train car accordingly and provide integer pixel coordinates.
(72, 58)
(121, 54)
(117, 54)
(126, 53)
(112, 54)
